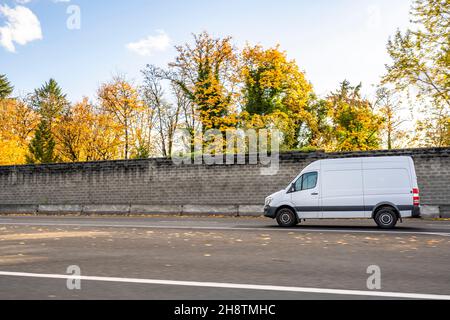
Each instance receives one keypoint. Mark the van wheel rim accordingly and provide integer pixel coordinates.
(386, 219)
(286, 218)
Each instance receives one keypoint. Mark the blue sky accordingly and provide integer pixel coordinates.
(331, 40)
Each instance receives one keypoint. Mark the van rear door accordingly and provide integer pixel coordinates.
(388, 180)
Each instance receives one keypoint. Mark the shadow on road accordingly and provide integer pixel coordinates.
(346, 228)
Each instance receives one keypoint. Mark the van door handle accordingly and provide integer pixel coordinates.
(314, 194)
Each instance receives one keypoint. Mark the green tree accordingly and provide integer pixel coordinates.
(355, 125)
(316, 130)
(42, 147)
(50, 103)
(6, 88)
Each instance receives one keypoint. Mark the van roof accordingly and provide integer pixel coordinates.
(318, 163)
(369, 159)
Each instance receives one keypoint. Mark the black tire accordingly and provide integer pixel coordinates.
(286, 218)
(386, 218)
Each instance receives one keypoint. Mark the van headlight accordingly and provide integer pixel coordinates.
(268, 201)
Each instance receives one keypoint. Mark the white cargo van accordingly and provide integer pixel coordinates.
(381, 188)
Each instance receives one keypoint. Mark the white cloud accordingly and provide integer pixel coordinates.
(22, 26)
(150, 45)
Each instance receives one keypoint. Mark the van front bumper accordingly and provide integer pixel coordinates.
(270, 212)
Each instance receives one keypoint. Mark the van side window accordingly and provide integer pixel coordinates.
(309, 181)
(306, 182)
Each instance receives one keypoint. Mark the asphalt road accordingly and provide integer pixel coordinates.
(220, 258)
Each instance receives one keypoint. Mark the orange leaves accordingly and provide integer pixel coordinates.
(275, 90)
(121, 101)
(271, 66)
(207, 73)
(272, 82)
(17, 122)
(84, 134)
(356, 126)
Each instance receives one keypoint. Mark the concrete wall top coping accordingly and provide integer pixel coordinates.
(291, 155)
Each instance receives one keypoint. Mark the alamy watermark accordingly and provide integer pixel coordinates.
(74, 20)
(74, 281)
(374, 281)
(234, 146)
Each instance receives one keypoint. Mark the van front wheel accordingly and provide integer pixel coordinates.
(386, 218)
(286, 218)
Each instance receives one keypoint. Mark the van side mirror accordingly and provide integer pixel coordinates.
(292, 188)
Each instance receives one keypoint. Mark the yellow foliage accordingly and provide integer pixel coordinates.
(208, 76)
(277, 120)
(86, 135)
(17, 122)
(269, 74)
(121, 101)
(276, 90)
(356, 126)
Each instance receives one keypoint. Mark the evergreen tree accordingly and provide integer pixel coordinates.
(42, 147)
(50, 103)
(6, 88)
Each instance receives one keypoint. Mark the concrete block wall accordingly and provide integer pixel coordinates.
(157, 186)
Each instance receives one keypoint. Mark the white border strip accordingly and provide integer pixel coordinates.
(233, 286)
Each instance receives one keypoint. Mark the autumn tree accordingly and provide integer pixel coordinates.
(206, 73)
(433, 130)
(6, 89)
(87, 133)
(274, 83)
(17, 124)
(316, 131)
(421, 64)
(355, 124)
(50, 103)
(168, 115)
(121, 100)
(74, 131)
(189, 119)
(155, 102)
(143, 133)
(276, 120)
(391, 110)
(105, 138)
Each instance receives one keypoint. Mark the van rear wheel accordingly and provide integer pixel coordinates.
(386, 218)
(286, 218)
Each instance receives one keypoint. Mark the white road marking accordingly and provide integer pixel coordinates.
(233, 286)
(207, 228)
